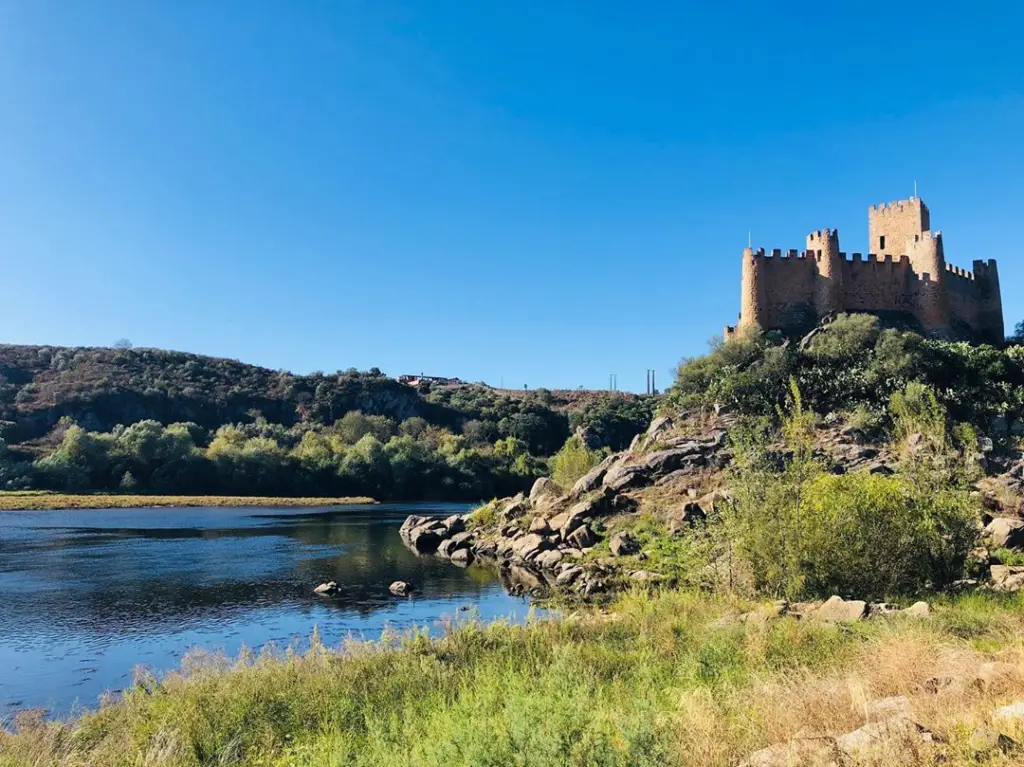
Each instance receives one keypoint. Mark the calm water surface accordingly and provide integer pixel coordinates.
(86, 596)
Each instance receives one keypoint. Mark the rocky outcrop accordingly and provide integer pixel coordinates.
(1006, 577)
(890, 730)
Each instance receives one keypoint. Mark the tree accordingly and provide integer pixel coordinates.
(1018, 334)
(122, 343)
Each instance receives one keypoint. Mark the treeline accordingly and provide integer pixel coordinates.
(360, 456)
(148, 420)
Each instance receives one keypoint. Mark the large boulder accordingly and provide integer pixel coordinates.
(462, 557)
(455, 524)
(622, 477)
(1005, 533)
(515, 507)
(548, 560)
(624, 544)
(327, 589)
(592, 480)
(878, 739)
(838, 610)
(1007, 577)
(659, 426)
(524, 578)
(582, 537)
(545, 493)
(530, 545)
(685, 517)
(457, 542)
(688, 456)
(568, 575)
(427, 537)
(413, 521)
(540, 526)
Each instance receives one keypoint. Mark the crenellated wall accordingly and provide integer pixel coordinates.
(793, 291)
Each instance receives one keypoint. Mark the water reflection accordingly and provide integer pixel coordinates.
(86, 595)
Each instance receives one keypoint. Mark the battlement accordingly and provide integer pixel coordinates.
(779, 255)
(957, 271)
(898, 206)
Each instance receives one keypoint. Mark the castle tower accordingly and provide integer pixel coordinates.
(891, 227)
(823, 246)
(904, 228)
(990, 303)
(751, 304)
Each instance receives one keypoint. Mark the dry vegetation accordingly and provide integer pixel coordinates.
(43, 501)
(662, 680)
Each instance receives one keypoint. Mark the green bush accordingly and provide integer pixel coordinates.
(852, 363)
(872, 536)
(845, 338)
(804, 532)
(573, 461)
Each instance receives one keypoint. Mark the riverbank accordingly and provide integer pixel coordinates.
(665, 679)
(44, 501)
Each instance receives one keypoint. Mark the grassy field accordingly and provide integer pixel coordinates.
(42, 501)
(659, 680)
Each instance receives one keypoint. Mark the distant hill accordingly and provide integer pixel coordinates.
(101, 387)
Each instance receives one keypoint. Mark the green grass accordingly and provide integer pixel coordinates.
(43, 501)
(659, 680)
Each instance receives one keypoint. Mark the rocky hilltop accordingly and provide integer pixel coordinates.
(580, 541)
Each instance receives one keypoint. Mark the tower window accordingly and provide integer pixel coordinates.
(881, 242)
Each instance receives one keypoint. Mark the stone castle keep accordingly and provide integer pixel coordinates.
(908, 281)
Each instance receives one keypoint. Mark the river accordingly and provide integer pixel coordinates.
(87, 596)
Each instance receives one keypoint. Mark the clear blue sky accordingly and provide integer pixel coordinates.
(538, 192)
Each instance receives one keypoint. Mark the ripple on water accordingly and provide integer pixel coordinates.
(89, 595)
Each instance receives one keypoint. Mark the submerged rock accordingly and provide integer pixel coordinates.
(327, 589)
(401, 588)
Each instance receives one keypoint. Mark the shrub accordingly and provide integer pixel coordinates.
(873, 536)
(573, 461)
(804, 532)
(847, 337)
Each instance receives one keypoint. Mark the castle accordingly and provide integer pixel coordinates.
(910, 282)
